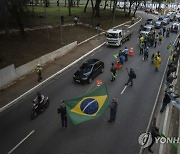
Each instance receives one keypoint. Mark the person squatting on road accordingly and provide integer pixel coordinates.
(166, 101)
(131, 75)
(38, 70)
(154, 134)
(113, 72)
(62, 111)
(113, 110)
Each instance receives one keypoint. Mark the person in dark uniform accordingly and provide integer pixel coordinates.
(62, 111)
(131, 75)
(154, 133)
(166, 101)
(113, 72)
(113, 110)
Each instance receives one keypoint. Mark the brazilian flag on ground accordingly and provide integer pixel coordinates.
(90, 106)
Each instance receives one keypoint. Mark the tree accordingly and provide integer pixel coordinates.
(137, 3)
(114, 9)
(17, 9)
(69, 6)
(87, 4)
(97, 8)
(130, 6)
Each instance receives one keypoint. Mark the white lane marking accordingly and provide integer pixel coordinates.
(21, 142)
(54, 75)
(123, 90)
(88, 105)
(90, 87)
(155, 104)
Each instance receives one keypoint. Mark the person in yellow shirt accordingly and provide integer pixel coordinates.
(38, 72)
(157, 63)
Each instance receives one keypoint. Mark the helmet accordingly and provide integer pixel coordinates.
(38, 65)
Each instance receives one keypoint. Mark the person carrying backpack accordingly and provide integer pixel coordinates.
(131, 75)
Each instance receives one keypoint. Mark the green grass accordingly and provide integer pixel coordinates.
(53, 16)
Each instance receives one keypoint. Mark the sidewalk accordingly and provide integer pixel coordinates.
(24, 84)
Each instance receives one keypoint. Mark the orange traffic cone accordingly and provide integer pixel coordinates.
(131, 52)
(118, 65)
(99, 83)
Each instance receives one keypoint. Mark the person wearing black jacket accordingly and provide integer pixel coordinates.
(166, 101)
(154, 133)
(62, 111)
(131, 75)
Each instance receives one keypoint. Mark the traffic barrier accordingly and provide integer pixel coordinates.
(131, 52)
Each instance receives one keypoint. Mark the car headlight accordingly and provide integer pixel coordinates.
(84, 77)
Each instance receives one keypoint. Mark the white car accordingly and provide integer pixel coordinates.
(146, 29)
(156, 12)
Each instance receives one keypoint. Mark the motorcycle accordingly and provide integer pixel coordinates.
(38, 109)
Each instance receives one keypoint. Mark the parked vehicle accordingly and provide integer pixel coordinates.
(147, 29)
(37, 109)
(161, 18)
(175, 27)
(165, 21)
(116, 37)
(158, 24)
(88, 71)
(178, 17)
(150, 22)
(155, 12)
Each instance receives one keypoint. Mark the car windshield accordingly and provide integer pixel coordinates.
(86, 67)
(112, 35)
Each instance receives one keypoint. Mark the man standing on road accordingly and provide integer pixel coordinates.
(126, 51)
(113, 110)
(131, 75)
(62, 111)
(113, 72)
(38, 71)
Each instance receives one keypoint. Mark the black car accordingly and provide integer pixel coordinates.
(150, 22)
(88, 71)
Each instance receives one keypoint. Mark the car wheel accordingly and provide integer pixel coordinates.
(90, 80)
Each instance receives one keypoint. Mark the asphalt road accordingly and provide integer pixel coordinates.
(95, 136)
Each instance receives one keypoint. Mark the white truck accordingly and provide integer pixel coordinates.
(116, 37)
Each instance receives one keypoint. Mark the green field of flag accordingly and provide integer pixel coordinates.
(90, 106)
